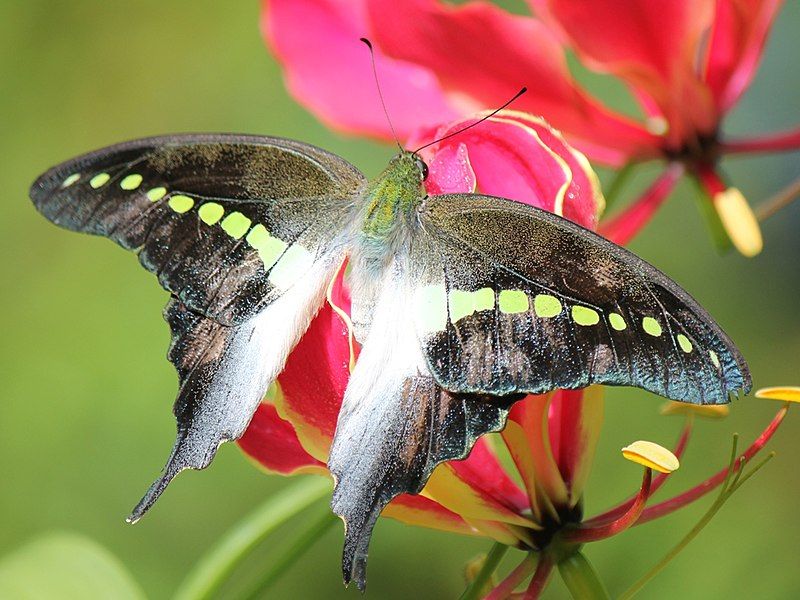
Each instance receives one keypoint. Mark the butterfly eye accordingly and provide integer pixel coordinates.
(423, 168)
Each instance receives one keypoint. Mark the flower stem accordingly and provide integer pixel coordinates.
(581, 579)
(582, 534)
(700, 490)
(212, 570)
(780, 200)
(731, 485)
(620, 509)
(289, 555)
(475, 588)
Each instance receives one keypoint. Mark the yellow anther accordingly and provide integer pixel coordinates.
(787, 394)
(708, 411)
(739, 221)
(652, 456)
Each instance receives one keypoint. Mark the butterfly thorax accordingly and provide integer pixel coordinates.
(390, 199)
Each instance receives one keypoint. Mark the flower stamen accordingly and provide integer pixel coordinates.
(668, 506)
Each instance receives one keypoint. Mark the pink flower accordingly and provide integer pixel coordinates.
(687, 63)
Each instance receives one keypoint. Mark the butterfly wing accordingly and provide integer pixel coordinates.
(226, 222)
(396, 423)
(512, 299)
(245, 232)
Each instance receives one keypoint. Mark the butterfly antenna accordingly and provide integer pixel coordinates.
(478, 122)
(380, 93)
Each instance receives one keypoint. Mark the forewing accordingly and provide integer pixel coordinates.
(228, 223)
(512, 299)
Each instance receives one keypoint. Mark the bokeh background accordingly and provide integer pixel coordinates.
(86, 392)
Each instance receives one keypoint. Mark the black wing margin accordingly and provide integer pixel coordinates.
(512, 299)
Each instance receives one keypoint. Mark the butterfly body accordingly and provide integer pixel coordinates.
(462, 303)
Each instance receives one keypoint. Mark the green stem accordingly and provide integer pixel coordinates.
(619, 180)
(726, 493)
(288, 556)
(476, 587)
(581, 579)
(211, 571)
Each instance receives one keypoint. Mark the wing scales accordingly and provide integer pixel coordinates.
(568, 309)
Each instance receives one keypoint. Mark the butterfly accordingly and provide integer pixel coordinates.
(462, 303)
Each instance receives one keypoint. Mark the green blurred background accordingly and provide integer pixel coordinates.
(85, 420)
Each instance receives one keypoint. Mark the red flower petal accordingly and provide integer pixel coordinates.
(516, 156)
(316, 375)
(328, 69)
(574, 422)
(273, 443)
(478, 488)
(482, 55)
(651, 45)
(737, 41)
(424, 512)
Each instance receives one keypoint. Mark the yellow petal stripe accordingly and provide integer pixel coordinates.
(652, 456)
(787, 394)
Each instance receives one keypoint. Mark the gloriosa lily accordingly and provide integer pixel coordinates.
(686, 63)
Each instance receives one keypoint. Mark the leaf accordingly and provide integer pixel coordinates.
(65, 566)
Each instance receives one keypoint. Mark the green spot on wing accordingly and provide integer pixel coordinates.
(684, 343)
(714, 358)
(651, 326)
(180, 203)
(484, 299)
(462, 304)
(131, 182)
(157, 194)
(269, 248)
(99, 179)
(583, 315)
(546, 306)
(236, 225)
(617, 322)
(70, 180)
(210, 213)
(512, 301)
